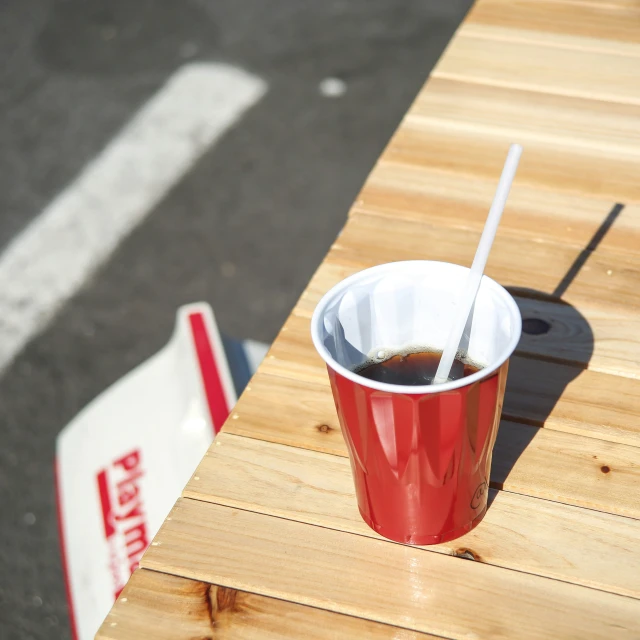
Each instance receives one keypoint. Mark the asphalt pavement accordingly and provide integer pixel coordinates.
(244, 229)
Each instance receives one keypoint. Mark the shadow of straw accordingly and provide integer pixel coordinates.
(541, 371)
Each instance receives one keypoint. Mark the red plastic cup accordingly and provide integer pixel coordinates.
(420, 455)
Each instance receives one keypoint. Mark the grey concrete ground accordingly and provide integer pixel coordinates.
(72, 73)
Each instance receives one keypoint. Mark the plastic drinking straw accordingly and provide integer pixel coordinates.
(470, 290)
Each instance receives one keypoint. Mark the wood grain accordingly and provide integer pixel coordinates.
(594, 75)
(566, 468)
(548, 164)
(536, 536)
(421, 193)
(289, 411)
(160, 606)
(576, 43)
(539, 392)
(607, 280)
(589, 23)
(580, 126)
(533, 461)
(378, 580)
(572, 144)
(166, 607)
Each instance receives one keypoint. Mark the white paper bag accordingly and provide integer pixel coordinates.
(124, 460)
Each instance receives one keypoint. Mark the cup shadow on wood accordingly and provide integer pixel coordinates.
(556, 346)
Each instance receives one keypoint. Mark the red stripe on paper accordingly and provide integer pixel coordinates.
(216, 398)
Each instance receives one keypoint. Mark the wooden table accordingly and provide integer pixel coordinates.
(267, 542)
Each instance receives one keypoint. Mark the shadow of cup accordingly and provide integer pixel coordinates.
(555, 347)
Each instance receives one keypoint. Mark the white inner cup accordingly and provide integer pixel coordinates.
(408, 306)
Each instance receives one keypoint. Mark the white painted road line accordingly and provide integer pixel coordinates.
(56, 253)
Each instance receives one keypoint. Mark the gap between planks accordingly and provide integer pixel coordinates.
(532, 87)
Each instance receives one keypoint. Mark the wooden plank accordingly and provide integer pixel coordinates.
(328, 274)
(546, 163)
(288, 411)
(421, 193)
(522, 533)
(593, 45)
(566, 468)
(545, 463)
(578, 125)
(561, 397)
(564, 398)
(607, 280)
(166, 607)
(571, 144)
(588, 22)
(595, 75)
(163, 607)
(378, 580)
(610, 3)
(600, 338)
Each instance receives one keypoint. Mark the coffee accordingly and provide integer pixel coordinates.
(414, 369)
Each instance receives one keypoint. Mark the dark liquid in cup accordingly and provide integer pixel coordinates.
(414, 369)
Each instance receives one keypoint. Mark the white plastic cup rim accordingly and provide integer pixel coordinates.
(340, 288)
